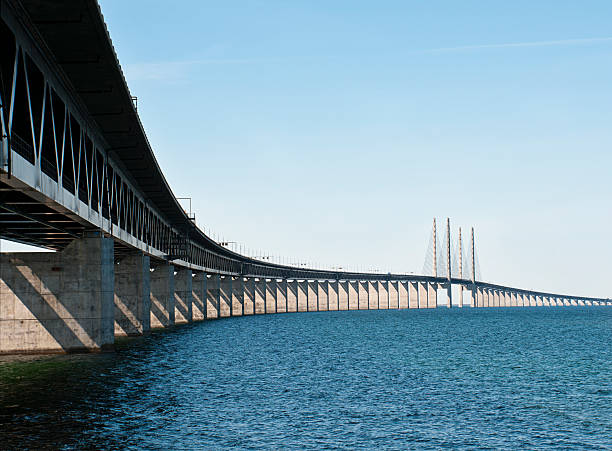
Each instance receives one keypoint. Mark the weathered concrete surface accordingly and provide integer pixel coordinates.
(271, 296)
(432, 295)
(58, 301)
(162, 296)
(343, 295)
(332, 295)
(260, 296)
(226, 297)
(281, 296)
(394, 295)
(183, 290)
(132, 295)
(313, 299)
(353, 295)
(372, 295)
(302, 296)
(322, 296)
(213, 295)
(292, 293)
(249, 296)
(198, 296)
(362, 295)
(238, 296)
(422, 294)
(413, 294)
(383, 295)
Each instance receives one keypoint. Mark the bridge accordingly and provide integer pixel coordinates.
(79, 178)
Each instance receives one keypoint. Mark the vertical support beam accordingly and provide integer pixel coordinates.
(302, 298)
(383, 294)
(449, 288)
(281, 295)
(353, 295)
(394, 294)
(372, 295)
(162, 295)
(333, 299)
(432, 295)
(199, 296)
(248, 296)
(183, 309)
(313, 298)
(322, 299)
(413, 294)
(292, 296)
(271, 296)
(226, 297)
(132, 295)
(260, 296)
(238, 296)
(343, 295)
(58, 301)
(423, 291)
(497, 298)
(213, 296)
(363, 302)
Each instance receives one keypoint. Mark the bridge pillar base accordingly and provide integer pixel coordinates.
(198, 296)
(58, 302)
(183, 296)
(162, 296)
(132, 295)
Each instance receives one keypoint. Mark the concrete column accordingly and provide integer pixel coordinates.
(248, 296)
(58, 301)
(363, 300)
(567, 302)
(513, 299)
(539, 302)
(198, 296)
(496, 300)
(162, 296)
(302, 298)
(313, 298)
(260, 296)
(432, 295)
(333, 288)
(423, 288)
(473, 296)
(394, 294)
(238, 296)
(413, 294)
(213, 295)
(353, 295)
(322, 299)
(183, 309)
(281, 296)
(383, 295)
(372, 295)
(292, 295)
(132, 295)
(226, 297)
(343, 299)
(271, 296)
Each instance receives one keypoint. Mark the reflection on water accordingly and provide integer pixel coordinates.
(499, 378)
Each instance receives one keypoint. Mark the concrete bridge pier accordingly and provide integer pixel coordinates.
(403, 295)
(57, 302)
(333, 299)
(302, 296)
(248, 297)
(322, 296)
(312, 297)
(162, 295)
(132, 295)
(213, 295)
(372, 295)
(238, 296)
(432, 295)
(353, 295)
(281, 296)
(413, 294)
(292, 292)
(343, 295)
(183, 289)
(394, 295)
(198, 296)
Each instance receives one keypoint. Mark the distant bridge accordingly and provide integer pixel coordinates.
(78, 176)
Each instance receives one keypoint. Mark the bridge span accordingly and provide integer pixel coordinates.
(78, 177)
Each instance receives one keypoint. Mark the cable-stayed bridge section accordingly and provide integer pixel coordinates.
(78, 177)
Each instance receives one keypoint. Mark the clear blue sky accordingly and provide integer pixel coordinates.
(335, 130)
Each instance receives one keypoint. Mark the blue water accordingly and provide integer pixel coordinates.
(471, 378)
